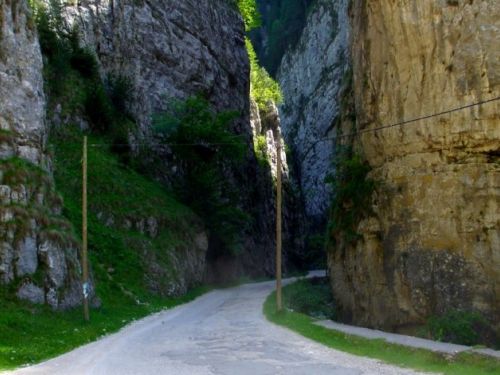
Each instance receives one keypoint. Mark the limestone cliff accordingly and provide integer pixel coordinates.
(177, 49)
(311, 77)
(38, 253)
(266, 127)
(432, 243)
(168, 49)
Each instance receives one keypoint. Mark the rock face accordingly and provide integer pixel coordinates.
(266, 126)
(40, 261)
(176, 49)
(311, 77)
(432, 243)
(169, 49)
(21, 84)
(171, 268)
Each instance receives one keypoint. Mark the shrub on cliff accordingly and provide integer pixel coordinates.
(352, 192)
(282, 22)
(72, 77)
(263, 88)
(250, 13)
(202, 140)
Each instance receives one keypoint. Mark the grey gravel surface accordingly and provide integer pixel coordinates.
(222, 332)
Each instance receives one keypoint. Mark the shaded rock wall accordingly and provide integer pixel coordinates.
(21, 89)
(311, 76)
(169, 49)
(266, 123)
(176, 49)
(38, 253)
(433, 241)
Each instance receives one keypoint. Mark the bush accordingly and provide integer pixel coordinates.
(352, 193)
(84, 61)
(461, 327)
(260, 149)
(250, 13)
(202, 140)
(72, 76)
(283, 22)
(315, 258)
(263, 87)
(120, 90)
(312, 297)
(99, 108)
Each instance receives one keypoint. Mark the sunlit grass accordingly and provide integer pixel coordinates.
(31, 334)
(461, 364)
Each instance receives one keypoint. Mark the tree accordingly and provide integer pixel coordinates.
(263, 87)
(201, 138)
(250, 14)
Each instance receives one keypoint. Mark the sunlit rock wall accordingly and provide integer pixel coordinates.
(38, 252)
(311, 76)
(433, 241)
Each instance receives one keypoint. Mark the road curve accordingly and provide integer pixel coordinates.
(223, 332)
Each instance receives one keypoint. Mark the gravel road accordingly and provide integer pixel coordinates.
(223, 332)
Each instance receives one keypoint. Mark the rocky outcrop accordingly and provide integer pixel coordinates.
(432, 242)
(169, 50)
(171, 267)
(177, 49)
(266, 126)
(21, 90)
(38, 253)
(311, 77)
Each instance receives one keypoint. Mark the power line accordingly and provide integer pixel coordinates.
(362, 131)
(401, 123)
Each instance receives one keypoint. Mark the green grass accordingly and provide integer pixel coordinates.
(31, 334)
(312, 296)
(121, 194)
(461, 364)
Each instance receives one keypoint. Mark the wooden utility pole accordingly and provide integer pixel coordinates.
(279, 299)
(85, 266)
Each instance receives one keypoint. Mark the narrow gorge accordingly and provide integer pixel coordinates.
(388, 114)
(198, 51)
(428, 243)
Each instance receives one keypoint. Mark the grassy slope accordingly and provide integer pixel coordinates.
(29, 333)
(462, 364)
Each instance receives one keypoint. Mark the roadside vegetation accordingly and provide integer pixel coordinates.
(312, 297)
(31, 334)
(461, 327)
(120, 198)
(300, 297)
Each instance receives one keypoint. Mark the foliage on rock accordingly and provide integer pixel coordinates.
(250, 13)
(263, 87)
(260, 149)
(353, 191)
(202, 139)
(282, 23)
(72, 75)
